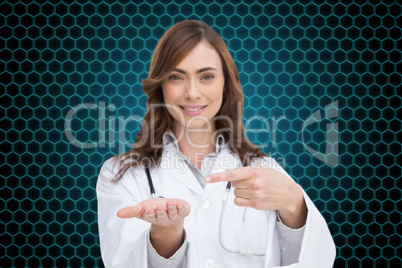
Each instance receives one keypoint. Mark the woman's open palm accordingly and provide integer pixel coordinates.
(159, 211)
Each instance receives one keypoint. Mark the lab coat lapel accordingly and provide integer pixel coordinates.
(187, 178)
(179, 170)
(225, 160)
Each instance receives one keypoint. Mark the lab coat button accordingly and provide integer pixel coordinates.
(209, 263)
(205, 204)
(283, 249)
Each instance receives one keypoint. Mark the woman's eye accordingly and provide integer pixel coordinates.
(175, 77)
(208, 77)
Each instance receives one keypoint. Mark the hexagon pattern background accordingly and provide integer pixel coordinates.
(321, 82)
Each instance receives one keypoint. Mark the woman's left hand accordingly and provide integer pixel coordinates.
(264, 188)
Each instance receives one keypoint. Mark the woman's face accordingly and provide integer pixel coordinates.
(193, 91)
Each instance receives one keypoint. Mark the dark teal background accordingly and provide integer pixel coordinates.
(294, 58)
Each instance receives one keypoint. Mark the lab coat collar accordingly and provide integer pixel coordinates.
(169, 140)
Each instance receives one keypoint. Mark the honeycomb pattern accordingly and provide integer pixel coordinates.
(297, 59)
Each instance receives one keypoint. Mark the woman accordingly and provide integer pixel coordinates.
(192, 143)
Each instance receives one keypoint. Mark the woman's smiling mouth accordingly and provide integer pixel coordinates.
(192, 110)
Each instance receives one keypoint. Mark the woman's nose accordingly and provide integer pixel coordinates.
(192, 91)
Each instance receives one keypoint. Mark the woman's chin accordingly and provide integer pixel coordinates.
(198, 125)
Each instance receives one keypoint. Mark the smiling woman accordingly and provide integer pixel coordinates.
(188, 50)
(194, 120)
(195, 90)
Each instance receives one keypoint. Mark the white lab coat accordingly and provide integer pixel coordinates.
(123, 241)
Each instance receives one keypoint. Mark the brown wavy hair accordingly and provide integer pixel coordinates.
(172, 48)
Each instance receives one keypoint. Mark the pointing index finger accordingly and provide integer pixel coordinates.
(238, 174)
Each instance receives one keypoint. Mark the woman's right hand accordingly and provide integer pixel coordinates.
(167, 219)
(158, 211)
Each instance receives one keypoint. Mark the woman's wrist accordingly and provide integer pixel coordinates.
(157, 230)
(294, 213)
(166, 240)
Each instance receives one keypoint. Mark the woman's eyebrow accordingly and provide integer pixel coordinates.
(199, 71)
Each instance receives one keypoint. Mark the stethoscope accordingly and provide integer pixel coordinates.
(244, 252)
